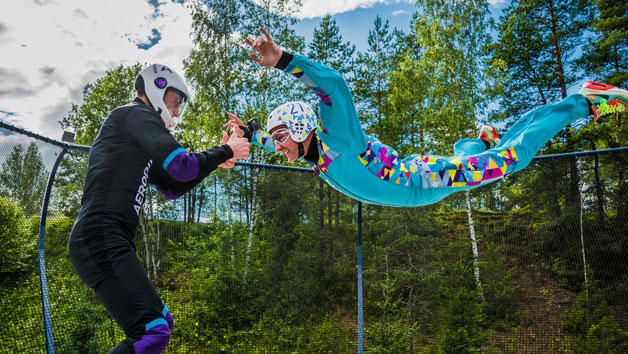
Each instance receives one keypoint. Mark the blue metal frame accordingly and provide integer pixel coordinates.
(43, 138)
(43, 281)
(360, 306)
(581, 153)
(275, 167)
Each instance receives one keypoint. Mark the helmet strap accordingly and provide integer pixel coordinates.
(301, 150)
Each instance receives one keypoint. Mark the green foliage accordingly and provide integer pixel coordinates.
(390, 337)
(437, 88)
(537, 40)
(464, 315)
(16, 248)
(83, 336)
(499, 288)
(605, 56)
(264, 262)
(328, 48)
(23, 178)
(99, 98)
(594, 328)
(69, 183)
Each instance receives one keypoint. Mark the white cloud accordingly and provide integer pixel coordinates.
(497, 3)
(56, 47)
(319, 8)
(53, 48)
(400, 12)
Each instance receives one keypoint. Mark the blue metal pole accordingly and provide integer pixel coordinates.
(360, 307)
(43, 281)
(275, 167)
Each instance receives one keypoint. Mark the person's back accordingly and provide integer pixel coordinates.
(117, 173)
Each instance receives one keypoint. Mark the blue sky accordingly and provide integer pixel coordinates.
(354, 25)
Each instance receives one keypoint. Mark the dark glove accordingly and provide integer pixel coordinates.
(251, 126)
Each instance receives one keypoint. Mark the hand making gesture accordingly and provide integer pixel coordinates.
(239, 146)
(266, 48)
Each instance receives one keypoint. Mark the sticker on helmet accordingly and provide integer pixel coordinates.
(161, 82)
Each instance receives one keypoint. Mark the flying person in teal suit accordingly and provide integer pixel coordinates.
(362, 167)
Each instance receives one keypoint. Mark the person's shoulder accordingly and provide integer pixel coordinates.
(140, 107)
(137, 110)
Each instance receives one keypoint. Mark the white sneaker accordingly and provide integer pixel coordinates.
(604, 99)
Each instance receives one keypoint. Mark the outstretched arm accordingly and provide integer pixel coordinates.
(172, 186)
(339, 123)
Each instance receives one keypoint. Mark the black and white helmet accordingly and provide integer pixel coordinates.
(156, 79)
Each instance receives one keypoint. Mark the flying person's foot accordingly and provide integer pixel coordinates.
(604, 99)
(488, 133)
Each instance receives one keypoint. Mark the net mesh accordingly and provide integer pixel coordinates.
(265, 261)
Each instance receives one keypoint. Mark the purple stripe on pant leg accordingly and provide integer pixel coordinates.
(169, 319)
(168, 316)
(183, 167)
(154, 341)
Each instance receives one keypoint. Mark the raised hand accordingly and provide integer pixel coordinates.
(231, 162)
(239, 146)
(235, 123)
(266, 48)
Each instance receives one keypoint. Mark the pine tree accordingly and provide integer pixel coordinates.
(537, 40)
(371, 78)
(328, 48)
(23, 178)
(605, 56)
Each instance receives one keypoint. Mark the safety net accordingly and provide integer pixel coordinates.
(264, 260)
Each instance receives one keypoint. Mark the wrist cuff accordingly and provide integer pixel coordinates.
(285, 59)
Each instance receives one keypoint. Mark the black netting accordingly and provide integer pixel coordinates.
(265, 261)
(539, 233)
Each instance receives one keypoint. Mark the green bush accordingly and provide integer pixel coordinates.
(592, 325)
(16, 248)
(390, 337)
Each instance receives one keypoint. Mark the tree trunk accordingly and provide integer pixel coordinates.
(200, 203)
(249, 243)
(337, 211)
(321, 213)
(584, 258)
(185, 207)
(229, 223)
(599, 192)
(329, 204)
(215, 199)
(474, 245)
(558, 55)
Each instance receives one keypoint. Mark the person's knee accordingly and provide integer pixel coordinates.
(155, 340)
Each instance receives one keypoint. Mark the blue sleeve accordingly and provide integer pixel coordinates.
(339, 125)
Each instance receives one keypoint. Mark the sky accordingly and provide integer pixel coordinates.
(50, 49)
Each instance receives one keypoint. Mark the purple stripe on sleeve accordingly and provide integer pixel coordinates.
(167, 194)
(183, 167)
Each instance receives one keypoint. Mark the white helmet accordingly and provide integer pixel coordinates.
(154, 80)
(299, 117)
